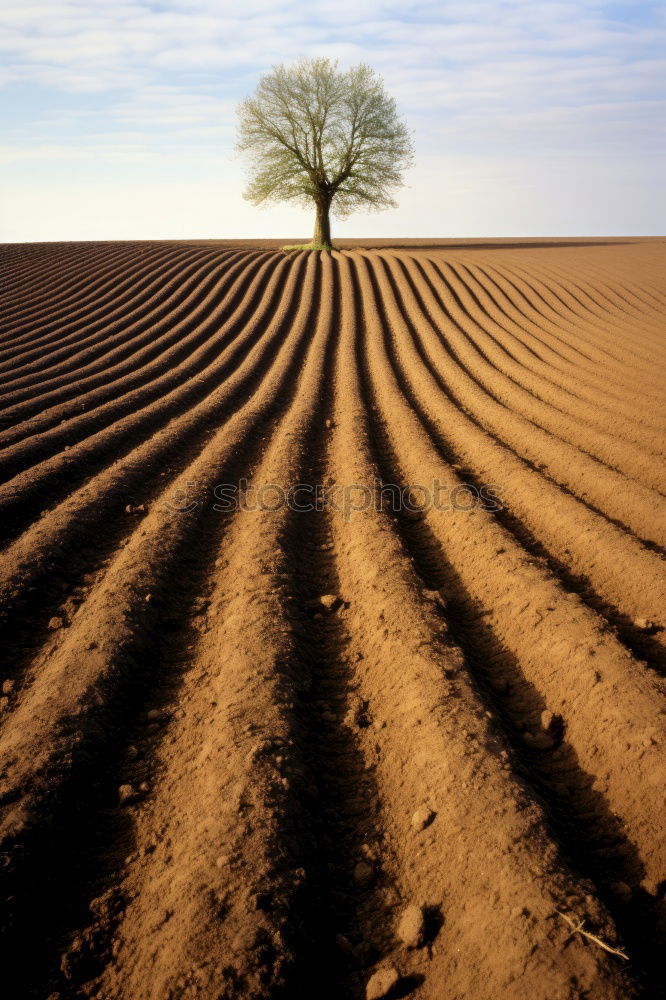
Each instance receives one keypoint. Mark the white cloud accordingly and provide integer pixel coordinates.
(99, 84)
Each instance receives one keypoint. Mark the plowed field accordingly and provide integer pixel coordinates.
(332, 631)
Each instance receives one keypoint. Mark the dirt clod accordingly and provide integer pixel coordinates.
(411, 927)
(422, 818)
(126, 794)
(382, 982)
(330, 601)
(547, 719)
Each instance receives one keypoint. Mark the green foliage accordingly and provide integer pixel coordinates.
(313, 133)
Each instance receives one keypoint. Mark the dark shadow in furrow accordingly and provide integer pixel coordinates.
(465, 277)
(40, 264)
(595, 320)
(144, 319)
(539, 320)
(579, 817)
(85, 548)
(54, 328)
(27, 264)
(120, 328)
(472, 279)
(612, 377)
(39, 415)
(450, 394)
(534, 373)
(75, 854)
(66, 281)
(498, 372)
(20, 510)
(639, 642)
(555, 407)
(340, 795)
(605, 382)
(65, 274)
(193, 322)
(50, 329)
(598, 290)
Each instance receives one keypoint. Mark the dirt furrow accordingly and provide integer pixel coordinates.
(244, 836)
(114, 341)
(587, 412)
(72, 725)
(109, 336)
(332, 621)
(573, 328)
(524, 418)
(542, 625)
(51, 562)
(595, 322)
(460, 829)
(186, 330)
(550, 514)
(58, 276)
(209, 368)
(612, 297)
(49, 326)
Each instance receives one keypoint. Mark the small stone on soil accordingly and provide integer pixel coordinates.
(329, 601)
(434, 596)
(55, 623)
(411, 928)
(422, 818)
(381, 983)
(547, 719)
(7, 686)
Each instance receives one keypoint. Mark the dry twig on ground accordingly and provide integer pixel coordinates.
(579, 928)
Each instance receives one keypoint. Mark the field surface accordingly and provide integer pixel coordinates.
(407, 743)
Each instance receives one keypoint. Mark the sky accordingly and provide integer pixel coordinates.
(529, 118)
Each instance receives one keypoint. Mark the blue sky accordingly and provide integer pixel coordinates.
(529, 117)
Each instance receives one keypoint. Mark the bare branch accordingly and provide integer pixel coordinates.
(579, 928)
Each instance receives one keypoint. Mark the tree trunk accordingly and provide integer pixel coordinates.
(322, 230)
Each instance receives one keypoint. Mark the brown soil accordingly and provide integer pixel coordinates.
(287, 754)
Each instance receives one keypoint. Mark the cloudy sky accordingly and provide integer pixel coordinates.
(529, 117)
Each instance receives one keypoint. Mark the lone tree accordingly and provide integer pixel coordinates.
(315, 134)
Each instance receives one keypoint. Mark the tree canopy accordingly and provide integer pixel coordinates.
(315, 134)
